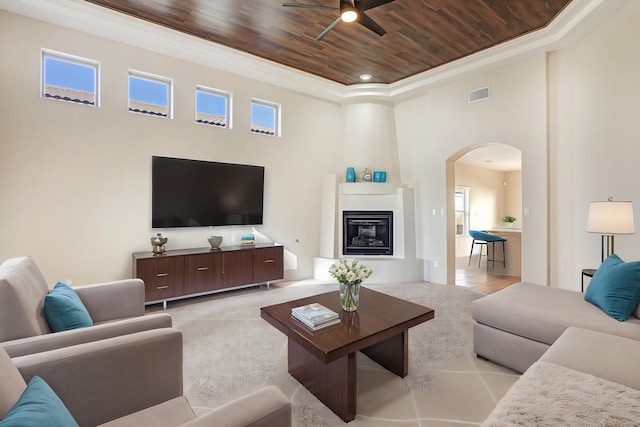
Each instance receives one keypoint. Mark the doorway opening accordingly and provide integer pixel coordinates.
(484, 185)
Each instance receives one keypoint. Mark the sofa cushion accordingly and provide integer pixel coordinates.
(615, 287)
(11, 383)
(171, 413)
(603, 355)
(64, 309)
(542, 314)
(22, 291)
(38, 406)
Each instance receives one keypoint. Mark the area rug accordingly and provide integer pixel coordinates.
(229, 350)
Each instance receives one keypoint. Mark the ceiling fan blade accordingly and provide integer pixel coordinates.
(363, 5)
(329, 28)
(309, 6)
(369, 23)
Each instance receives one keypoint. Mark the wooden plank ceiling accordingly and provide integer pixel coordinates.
(421, 34)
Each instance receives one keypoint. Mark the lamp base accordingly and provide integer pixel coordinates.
(607, 247)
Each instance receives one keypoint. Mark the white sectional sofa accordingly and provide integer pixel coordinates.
(516, 326)
(578, 353)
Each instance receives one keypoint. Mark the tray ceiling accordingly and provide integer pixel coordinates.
(421, 34)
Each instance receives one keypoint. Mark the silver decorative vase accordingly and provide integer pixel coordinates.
(157, 243)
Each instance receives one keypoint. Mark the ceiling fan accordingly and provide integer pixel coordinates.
(350, 11)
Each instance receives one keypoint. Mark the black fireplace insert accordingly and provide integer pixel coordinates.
(367, 233)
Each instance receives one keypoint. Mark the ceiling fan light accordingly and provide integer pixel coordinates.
(349, 14)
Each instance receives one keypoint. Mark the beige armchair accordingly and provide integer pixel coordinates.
(116, 308)
(132, 380)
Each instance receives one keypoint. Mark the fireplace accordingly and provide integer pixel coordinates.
(367, 233)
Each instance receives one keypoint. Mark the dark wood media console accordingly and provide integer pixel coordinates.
(190, 272)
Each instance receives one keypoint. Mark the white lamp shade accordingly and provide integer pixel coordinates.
(611, 218)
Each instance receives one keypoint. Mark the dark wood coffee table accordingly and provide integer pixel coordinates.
(324, 361)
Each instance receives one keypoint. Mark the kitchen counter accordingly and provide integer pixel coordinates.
(513, 249)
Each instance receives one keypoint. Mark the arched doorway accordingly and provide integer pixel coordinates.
(484, 184)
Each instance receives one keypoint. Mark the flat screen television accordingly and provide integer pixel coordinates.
(196, 193)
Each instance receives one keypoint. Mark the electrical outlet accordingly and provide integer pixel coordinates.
(435, 263)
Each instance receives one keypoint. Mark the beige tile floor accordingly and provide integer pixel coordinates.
(478, 279)
(461, 393)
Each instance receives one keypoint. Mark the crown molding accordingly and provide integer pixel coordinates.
(576, 20)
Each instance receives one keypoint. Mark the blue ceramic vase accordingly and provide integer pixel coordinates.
(379, 176)
(351, 175)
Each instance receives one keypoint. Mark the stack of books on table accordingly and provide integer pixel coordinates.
(315, 316)
(247, 240)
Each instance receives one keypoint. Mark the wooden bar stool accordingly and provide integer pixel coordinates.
(485, 239)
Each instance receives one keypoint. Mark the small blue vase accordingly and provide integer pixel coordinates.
(351, 175)
(379, 176)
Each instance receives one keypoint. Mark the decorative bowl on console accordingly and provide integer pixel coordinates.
(215, 241)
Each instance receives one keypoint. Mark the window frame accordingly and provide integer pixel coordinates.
(228, 109)
(277, 130)
(466, 196)
(74, 59)
(156, 79)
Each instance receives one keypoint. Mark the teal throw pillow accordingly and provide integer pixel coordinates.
(38, 406)
(64, 310)
(615, 287)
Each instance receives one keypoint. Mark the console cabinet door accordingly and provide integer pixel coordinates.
(268, 264)
(203, 273)
(238, 268)
(163, 277)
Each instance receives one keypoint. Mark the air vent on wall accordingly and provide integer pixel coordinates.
(479, 94)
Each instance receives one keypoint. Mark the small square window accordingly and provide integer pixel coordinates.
(149, 94)
(69, 78)
(265, 117)
(213, 107)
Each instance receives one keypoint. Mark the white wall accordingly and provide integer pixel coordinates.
(512, 196)
(442, 125)
(75, 180)
(486, 195)
(594, 140)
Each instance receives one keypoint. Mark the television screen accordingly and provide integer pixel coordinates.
(195, 193)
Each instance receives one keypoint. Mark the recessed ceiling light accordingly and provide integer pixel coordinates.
(365, 76)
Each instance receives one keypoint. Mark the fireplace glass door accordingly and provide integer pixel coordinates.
(367, 233)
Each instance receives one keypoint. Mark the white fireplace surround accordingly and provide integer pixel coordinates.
(402, 266)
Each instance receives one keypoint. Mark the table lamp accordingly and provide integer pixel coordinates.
(610, 218)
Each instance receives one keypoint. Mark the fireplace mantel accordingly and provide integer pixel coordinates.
(370, 188)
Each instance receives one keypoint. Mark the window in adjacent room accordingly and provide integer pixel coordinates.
(69, 78)
(265, 117)
(462, 211)
(213, 107)
(149, 94)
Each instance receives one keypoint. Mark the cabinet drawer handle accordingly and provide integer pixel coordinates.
(162, 274)
(203, 268)
(162, 287)
(269, 260)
